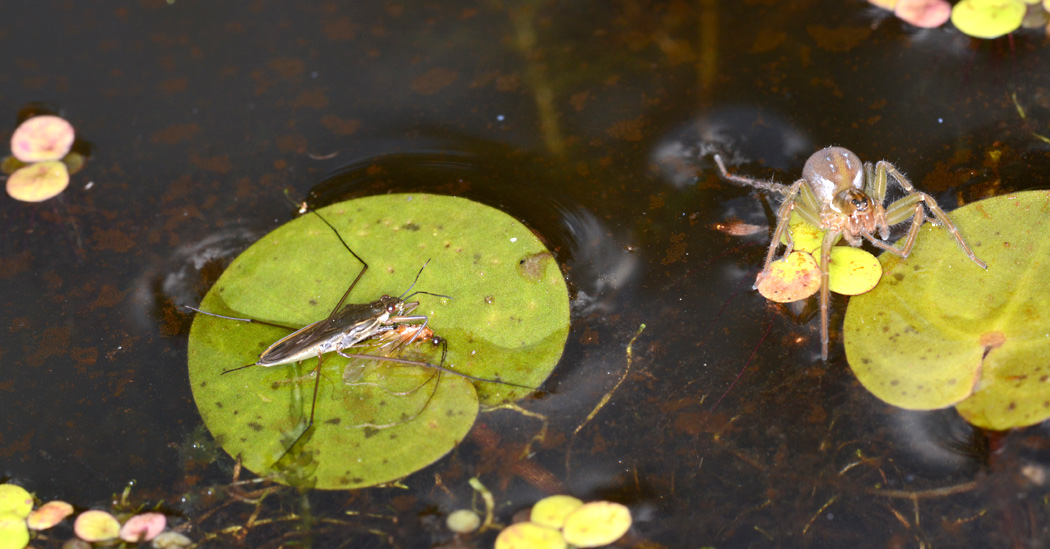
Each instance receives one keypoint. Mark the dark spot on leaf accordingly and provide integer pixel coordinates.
(533, 266)
(370, 432)
(410, 227)
(255, 427)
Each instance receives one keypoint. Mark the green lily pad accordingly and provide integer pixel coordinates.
(939, 330)
(506, 318)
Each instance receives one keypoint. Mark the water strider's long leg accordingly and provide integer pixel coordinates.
(238, 319)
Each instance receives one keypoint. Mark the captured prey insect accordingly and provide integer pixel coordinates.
(843, 197)
(383, 327)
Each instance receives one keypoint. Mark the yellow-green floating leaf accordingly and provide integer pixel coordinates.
(15, 499)
(96, 526)
(597, 523)
(988, 18)
(552, 510)
(852, 271)
(527, 535)
(940, 330)
(805, 237)
(13, 531)
(38, 182)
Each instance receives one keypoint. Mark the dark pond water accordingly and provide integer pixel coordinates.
(593, 123)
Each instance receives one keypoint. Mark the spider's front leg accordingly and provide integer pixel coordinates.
(771, 186)
(783, 220)
(911, 206)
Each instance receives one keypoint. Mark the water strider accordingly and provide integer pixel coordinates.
(387, 322)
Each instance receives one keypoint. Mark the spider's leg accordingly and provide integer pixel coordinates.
(825, 297)
(899, 214)
(783, 217)
(898, 210)
(771, 186)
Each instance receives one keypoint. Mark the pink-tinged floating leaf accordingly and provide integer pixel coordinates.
(15, 499)
(143, 527)
(928, 14)
(42, 138)
(13, 531)
(38, 182)
(597, 523)
(49, 514)
(96, 526)
(988, 18)
(795, 277)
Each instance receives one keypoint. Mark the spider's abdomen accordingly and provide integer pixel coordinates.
(832, 170)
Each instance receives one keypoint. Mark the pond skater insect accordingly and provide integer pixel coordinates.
(386, 326)
(843, 197)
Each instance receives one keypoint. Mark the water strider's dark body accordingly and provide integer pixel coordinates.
(350, 325)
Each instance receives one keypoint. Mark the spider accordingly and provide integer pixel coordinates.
(843, 198)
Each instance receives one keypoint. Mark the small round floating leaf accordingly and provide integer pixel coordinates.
(790, 279)
(96, 526)
(171, 540)
(551, 511)
(805, 237)
(852, 271)
(927, 14)
(15, 499)
(74, 162)
(42, 138)
(939, 329)
(10, 165)
(143, 527)
(597, 523)
(38, 182)
(463, 521)
(884, 4)
(526, 535)
(382, 424)
(988, 18)
(49, 514)
(13, 531)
